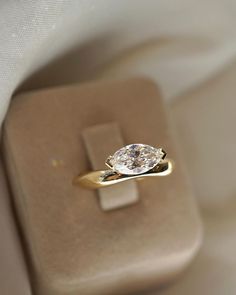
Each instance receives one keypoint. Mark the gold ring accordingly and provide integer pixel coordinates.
(134, 161)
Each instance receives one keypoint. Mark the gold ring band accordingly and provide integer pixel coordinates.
(103, 178)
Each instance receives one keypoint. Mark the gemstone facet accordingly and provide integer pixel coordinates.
(135, 159)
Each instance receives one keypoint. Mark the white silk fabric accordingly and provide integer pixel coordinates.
(183, 42)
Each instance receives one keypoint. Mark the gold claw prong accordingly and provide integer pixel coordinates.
(163, 154)
(108, 162)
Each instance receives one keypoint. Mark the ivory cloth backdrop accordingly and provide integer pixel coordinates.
(189, 49)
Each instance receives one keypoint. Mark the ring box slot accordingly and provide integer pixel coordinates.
(101, 141)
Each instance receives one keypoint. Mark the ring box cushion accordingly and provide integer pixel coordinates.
(73, 246)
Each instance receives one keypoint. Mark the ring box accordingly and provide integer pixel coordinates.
(73, 246)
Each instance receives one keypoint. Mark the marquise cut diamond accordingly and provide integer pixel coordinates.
(136, 159)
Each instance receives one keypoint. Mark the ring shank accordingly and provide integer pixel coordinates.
(103, 178)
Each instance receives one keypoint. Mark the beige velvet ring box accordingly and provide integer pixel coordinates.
(73, 245)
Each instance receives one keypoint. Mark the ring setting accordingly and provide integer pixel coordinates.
(135, 159)
(132, 161)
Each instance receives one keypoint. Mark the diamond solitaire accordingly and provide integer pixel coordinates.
(135, 159)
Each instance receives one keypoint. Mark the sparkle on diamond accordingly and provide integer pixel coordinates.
(136, 159)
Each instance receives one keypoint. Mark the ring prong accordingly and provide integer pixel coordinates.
(108, 162)
(163, 154)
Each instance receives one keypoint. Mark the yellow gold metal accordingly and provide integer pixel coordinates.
(103, 178)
